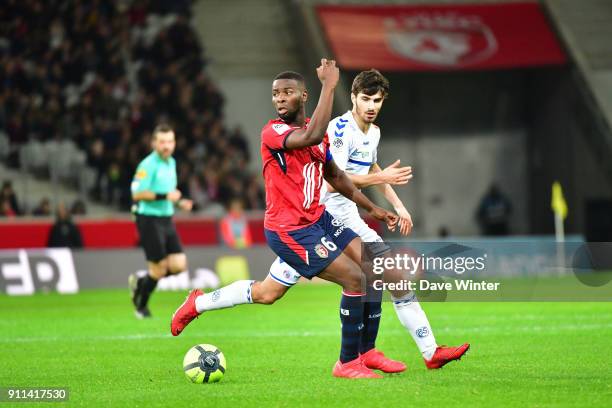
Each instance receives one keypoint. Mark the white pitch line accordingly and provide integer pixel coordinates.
(280, 334)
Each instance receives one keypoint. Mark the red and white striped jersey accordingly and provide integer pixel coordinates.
(293, 178)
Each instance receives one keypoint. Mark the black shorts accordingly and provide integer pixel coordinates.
(158, 237)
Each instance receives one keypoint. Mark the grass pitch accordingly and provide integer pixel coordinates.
(523, 354)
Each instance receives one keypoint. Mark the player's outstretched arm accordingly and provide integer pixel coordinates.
(328, 74)
(393, 174)
(342, 184)
(405, 219)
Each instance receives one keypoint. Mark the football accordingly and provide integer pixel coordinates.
(204, 363)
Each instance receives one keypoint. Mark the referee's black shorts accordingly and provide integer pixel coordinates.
(158, 237)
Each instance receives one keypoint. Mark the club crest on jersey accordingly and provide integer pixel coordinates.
(321, 251)
(338, 143)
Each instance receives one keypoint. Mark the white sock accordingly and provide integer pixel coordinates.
(236, 293)
(413, 318)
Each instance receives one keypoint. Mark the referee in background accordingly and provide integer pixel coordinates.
(155, 194)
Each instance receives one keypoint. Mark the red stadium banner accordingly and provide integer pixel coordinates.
(449, 37)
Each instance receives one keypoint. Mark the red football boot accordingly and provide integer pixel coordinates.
(444, 355)
(353, 369)
(376, 360)
(185, 313)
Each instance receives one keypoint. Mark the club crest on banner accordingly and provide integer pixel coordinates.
(444, 39)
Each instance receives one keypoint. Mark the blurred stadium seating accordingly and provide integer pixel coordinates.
(83, 86)
(85, 82)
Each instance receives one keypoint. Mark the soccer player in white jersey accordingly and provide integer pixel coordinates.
(354, 141)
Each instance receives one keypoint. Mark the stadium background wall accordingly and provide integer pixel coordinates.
(25, 271)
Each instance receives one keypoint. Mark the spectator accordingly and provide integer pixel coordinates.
(6, 210)
(494, 212)
(8, 194)
(64, 233)
(43, 209)
(78, 208)
(65, 74)
(235, 230)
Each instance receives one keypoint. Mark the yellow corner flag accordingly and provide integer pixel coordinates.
(558, 204)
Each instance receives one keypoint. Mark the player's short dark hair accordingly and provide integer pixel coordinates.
(296, 76)
(162, 128)
(370, 82)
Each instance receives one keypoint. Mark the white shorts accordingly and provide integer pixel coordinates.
(349, 215)
(286, 275)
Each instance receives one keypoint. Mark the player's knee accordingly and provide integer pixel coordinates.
(354, 280)
(158, 269)
(177, 264)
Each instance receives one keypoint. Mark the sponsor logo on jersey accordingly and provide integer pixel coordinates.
(360, 154)
(422, 332)
(336, 222)
(321, 251)
(338, 143)
(339, 231)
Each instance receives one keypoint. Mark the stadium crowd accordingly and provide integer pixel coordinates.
(101, 74)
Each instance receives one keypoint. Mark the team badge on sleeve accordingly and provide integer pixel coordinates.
(140, 174)
(338, 143)
(281, 128)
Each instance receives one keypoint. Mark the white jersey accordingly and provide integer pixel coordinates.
(354, 152)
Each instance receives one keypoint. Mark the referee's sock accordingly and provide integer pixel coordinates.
(146, 286)
(351, 316)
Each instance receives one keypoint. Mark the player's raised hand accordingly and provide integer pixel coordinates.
(328, 73)
(394, 174)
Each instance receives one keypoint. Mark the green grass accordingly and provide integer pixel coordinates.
(523, 354)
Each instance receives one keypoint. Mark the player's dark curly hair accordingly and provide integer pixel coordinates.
(369, 82)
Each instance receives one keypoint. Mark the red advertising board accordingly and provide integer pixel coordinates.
(445, 37)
